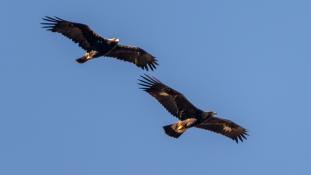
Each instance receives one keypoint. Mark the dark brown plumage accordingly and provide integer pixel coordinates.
(188, 115)
(97, 46)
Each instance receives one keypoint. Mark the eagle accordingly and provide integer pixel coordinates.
(189, 116)
(97, 46)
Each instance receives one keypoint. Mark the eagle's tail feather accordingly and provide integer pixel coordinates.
(175, 130)
(82, 59)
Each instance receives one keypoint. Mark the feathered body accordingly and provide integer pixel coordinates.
(189, 115)
(97, 46)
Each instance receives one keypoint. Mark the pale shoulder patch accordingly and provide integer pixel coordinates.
(227, 129)
(163, 94)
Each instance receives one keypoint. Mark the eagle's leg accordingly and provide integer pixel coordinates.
(89, 55)
(190, 122)
(180, 127)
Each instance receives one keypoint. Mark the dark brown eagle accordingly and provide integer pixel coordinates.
(97, 46)
(189, 115)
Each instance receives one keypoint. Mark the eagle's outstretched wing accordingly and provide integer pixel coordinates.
(135, 55)
(174, 102)
(224, 127)
(79, 33)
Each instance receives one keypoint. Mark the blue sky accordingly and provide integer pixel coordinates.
(247, 60)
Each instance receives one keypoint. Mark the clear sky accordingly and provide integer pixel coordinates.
(248, 60)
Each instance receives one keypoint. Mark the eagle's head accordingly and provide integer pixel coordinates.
(208, 114)
(114, 40)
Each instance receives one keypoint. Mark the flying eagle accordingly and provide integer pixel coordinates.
(97, 46)
(188, 115)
